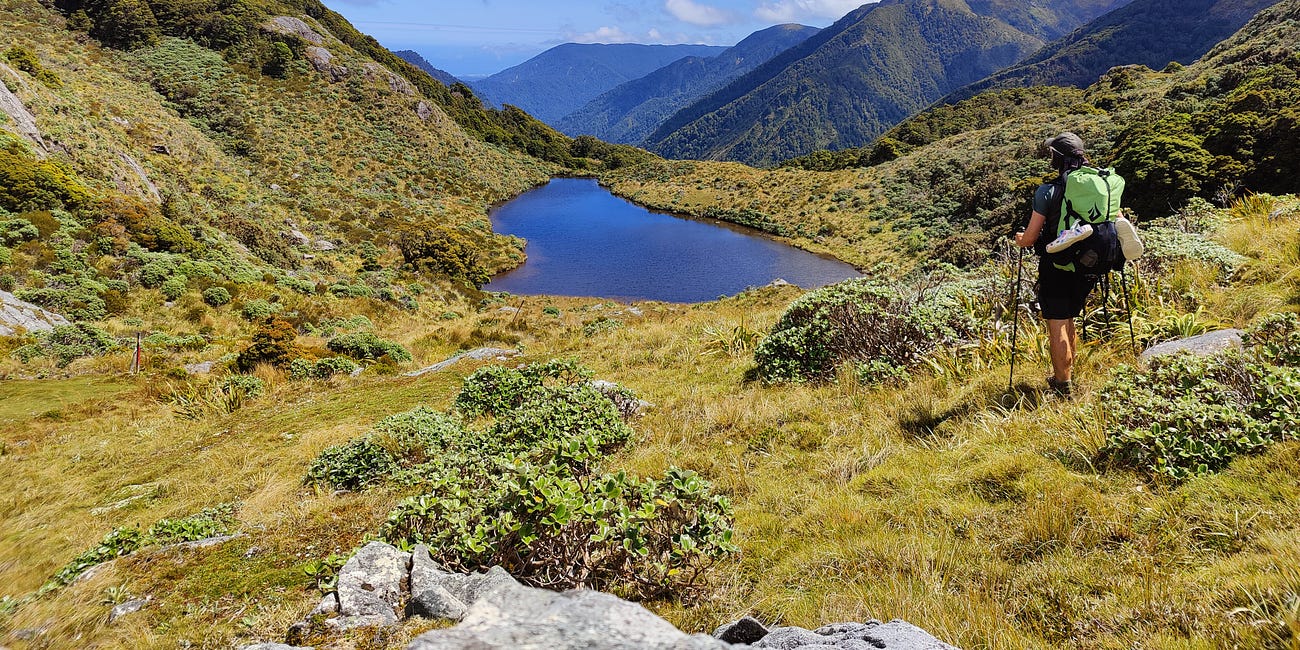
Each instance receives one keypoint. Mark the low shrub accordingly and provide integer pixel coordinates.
(67, 343)
(495, 389)
(353, 465)
(185, 342)
(638, 538)
(321, 368)
(173, 288)
(259, 310)
(247, 385)
(365, 345)
(1188, 416)
(273, 343)
(519, 491)
(216, 296)
(208, 523)
(878, 328)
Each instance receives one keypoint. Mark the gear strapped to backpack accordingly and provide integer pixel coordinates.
(1083, 237)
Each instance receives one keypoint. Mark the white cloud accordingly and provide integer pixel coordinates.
(618, 35)
(689, 11)
(786, 11)
(604, 35)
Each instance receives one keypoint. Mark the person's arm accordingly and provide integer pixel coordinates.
(1030, 234)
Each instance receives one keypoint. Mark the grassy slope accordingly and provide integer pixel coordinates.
(991, 527)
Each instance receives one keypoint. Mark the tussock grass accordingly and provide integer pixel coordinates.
(985, 518)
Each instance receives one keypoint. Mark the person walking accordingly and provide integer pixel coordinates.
(1062, 293)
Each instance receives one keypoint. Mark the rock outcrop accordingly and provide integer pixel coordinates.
(18, 316)
(290, 26)
(24, 121)
(871, 635)
(323, 60)
(525, 618)
(381, 585)
(1202, 346)
(477, 354)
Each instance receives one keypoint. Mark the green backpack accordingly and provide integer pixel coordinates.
(1092, 195)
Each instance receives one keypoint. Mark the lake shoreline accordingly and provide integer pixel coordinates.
(659, 255)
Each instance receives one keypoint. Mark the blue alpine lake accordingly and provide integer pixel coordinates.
(584, 241)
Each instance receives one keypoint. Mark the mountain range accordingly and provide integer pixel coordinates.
(630, 112)
(868, 71)
(1146, 32)
(275, 201)
(564, 78)
(416, 59)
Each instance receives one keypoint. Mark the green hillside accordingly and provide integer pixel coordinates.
(1153, 33)
(856, 79)
(292, 234)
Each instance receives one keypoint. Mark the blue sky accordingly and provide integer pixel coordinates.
(479, 37)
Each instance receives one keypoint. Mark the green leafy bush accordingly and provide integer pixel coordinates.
(67, 343)
(519, 491)
(496, 389)
(185, 342)
(246, 385)
(216, 296)
(353, 465)
(259, 310)
(861, 322)
(1188, 416)
(173, 288)
(321, 368)
(366, 345)
(208, 523)
(442, 250)
(639, 538)
(27, 183)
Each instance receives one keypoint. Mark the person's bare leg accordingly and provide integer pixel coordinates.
(1060, 335)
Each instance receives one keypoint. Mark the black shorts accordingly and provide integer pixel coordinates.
(1062, 294)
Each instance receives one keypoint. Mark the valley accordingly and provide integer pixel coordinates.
(296, 225)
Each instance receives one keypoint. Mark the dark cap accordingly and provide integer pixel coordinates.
(1066, 144)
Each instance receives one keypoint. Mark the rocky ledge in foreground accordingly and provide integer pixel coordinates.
(381, 585)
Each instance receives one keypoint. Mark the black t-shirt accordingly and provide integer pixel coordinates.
(1047, 202)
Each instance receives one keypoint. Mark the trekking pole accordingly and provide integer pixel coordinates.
(1015, 316)
(1128, 307)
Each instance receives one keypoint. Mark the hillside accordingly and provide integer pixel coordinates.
(630, 112)
(857, 78)
(1153, 33)
(414, 58)
(951, 181)
(564, 78)
(801, 457)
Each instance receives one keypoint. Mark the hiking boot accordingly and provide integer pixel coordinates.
(1070, 238)
(1128, 239)
(1061, 388)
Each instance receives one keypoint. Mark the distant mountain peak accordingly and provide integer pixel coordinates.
(414, 58)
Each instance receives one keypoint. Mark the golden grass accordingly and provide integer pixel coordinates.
(989, 523)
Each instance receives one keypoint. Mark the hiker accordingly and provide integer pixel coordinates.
(1061, 294)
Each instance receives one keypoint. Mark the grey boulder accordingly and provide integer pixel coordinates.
(370, 586)
(525, 618)
(429, 598)
(1201, 346)
(871, 635)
